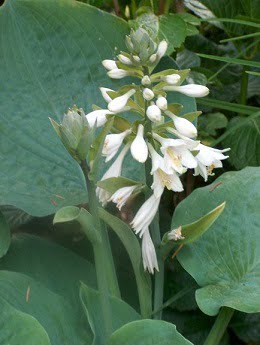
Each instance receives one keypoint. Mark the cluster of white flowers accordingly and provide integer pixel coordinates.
(162, 136)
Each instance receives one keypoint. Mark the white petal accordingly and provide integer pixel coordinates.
(109, 64)
(185, 127)
(118, 103)
(148, 94)
(104, 91)
(171, 79)
(145, 214)
(97, 117)
(162, 48)
(146, 80)
(121, 196)
(112, 144)
(139, 148)
(162, 103)
(117, 73)
(191, 90)
(148, 253)
(154, 113)
(124, 59)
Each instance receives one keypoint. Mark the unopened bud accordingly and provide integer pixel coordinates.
(153, 58)
(136, 58)
(162, 48)
(191, 90)
(146, 81)
(117, 73)
(171, 79)
(124, 59)
(154, 113)
(148, 94)
(109, 64)
(161, 103)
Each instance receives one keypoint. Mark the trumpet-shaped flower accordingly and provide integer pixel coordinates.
(177, 156)
(104, 91)
(161, 180)
(191, 90)
(183, 126)
(139, 148)
(161, 103)
(109, 64)
(162, 48)
(97, 117)
(153, 112)
(119, 103)
(114, 171)
(208, 159)
(121, 196)
(112, 144)
(148, 94)
(150, 262)
(145, 215)
(171, 79)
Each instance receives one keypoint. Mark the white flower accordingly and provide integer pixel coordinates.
(146, 80)
(157, 160)
(97, 117)
(148, 94)
(161, 180)
(183, 126)
(208, 159)
(175, 234)
(171, 79)
(153, 112)
(119, 103)
(162, 48)
(124, 59)
(176, 154)
(104, 91)
(161, 103)
(148, 253)
(121, 196)
(118, 73)
(139, 148)
(112, 144)
(191, 90)
(145, 215)
(152, 58)
(114, 171)
(109, 64)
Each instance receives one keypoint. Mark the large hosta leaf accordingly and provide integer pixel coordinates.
(63, 322)
(5, 236)
(50, 59)
(148, 332)
(225, 261)
(20, 328)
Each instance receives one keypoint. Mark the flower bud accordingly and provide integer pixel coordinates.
(153, 112)
(109, 64)
(124, 59)
(104, 91)
(191, 90)
(146, 81)
(162, 48)
(118, 73)
(161, 103)
(183, 126)
(118, 103)
(136, 58)
(152, 58)
(74, 133)
(148, 94)
(139, 148)
(172, 79)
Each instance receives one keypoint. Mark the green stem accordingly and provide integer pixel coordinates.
(219, 326)
(167, 6)
(244, 86)
(109, 262)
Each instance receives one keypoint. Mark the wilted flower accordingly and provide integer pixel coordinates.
(175, 234)
(112, 144)
(121, 196)
(148, 253)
